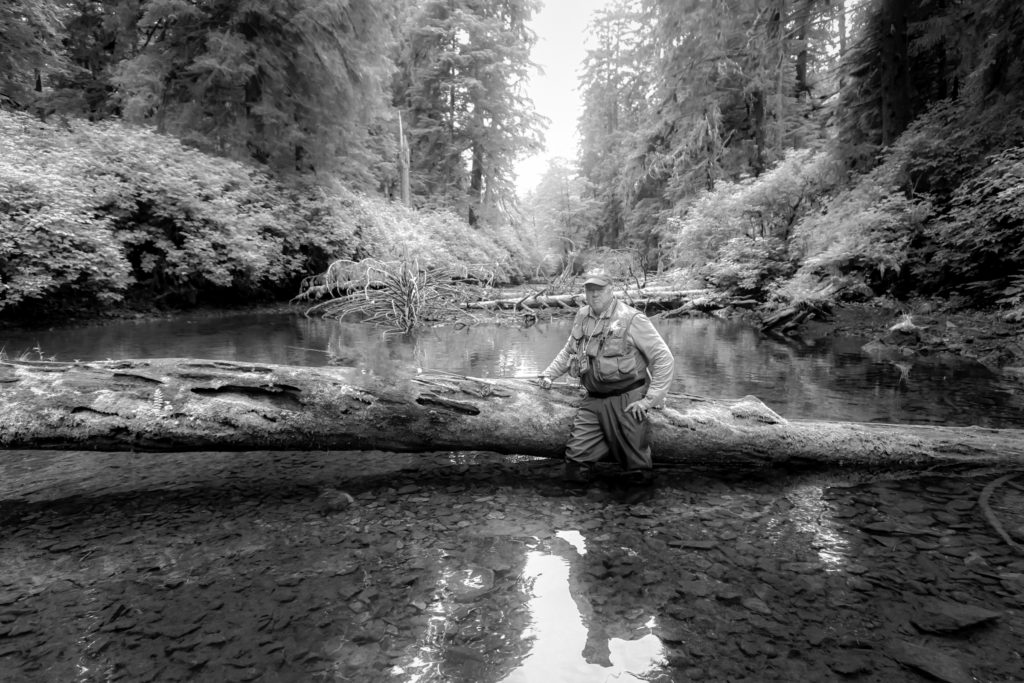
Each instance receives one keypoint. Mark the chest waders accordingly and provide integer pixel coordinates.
(614, 378)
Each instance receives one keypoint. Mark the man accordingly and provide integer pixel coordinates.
(626, 368)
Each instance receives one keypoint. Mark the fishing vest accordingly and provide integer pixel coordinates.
(607, 354)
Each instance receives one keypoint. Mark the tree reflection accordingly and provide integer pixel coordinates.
(477, 617)
(583, 629)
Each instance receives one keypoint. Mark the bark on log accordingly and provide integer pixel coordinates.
(190, 405)
(649, 297)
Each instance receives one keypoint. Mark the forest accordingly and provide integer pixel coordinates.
(164, 153)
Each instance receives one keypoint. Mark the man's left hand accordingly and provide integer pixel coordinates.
(638, 409)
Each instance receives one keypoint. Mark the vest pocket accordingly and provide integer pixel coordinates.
(616, 361)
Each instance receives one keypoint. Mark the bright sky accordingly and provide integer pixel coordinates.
(561, 45)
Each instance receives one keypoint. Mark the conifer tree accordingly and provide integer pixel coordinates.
(909, 55)
(733, 84)
(295, 84)
(562, 211)
(614, 83)
(464, 67)
(30, 34)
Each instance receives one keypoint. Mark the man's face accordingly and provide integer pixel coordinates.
(599, 298)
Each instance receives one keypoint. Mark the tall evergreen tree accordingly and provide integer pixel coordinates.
(614, 83)
(909, 55)
(30, 33)
(562, 211)
(464, 69)
(736, 82)
(291, 83)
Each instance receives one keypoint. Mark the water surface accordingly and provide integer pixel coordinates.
(474, 568)
(823, 379)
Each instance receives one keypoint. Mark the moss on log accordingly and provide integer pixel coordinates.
(190, 404)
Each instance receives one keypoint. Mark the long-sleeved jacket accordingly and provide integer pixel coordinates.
(620, 347)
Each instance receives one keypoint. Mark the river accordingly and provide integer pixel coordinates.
(477, 568)
(832, 379)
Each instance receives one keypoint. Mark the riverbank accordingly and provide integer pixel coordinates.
(925, 329)
(141, 313)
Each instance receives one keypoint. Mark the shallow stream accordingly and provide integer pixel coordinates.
(474, 567)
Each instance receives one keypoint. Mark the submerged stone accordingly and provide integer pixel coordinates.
(469, 584)
(947, 617)
(931, 661)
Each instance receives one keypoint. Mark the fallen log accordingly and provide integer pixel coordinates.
(193, 405)
(646, 297)
(708, 305)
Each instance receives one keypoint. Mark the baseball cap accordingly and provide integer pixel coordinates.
(599, 277)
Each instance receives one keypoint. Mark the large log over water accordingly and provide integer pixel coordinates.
(188, 404)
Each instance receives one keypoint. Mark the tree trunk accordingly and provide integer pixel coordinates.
(192, 405)
(895, 73)
(403, 164)
(803, 21)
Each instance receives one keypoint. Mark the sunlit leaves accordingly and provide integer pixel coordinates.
(982, 240)
(766, 207)
(92, 213)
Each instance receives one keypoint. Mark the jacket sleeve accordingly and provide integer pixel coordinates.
(560, 364)
(659, 357)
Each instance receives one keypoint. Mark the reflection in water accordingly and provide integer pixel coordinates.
(426, 666)
(826, 379)
(560, 637)
(811, 514)
(575, 539)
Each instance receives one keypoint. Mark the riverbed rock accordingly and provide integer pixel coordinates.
(938, 616)
(333, 500)
(466, 585)
(262, 575)
(931, 661)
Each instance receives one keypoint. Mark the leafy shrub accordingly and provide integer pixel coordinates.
(768, 206)
(192, 224)
(978, 247)
(815, 291)
(911, 224)
(93, 212)
(866, 230)
(749, 267)
(437, 238)
(105, 208)
(948, 143)
(52, 241)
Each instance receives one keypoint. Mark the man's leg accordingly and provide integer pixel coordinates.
(586, 444)
(627, 437)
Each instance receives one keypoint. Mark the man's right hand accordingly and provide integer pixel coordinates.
(545, 381)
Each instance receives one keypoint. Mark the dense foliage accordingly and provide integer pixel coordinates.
(777, 149)
(276, 123)
(783, 149)
(297, 85)
(100, 211)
